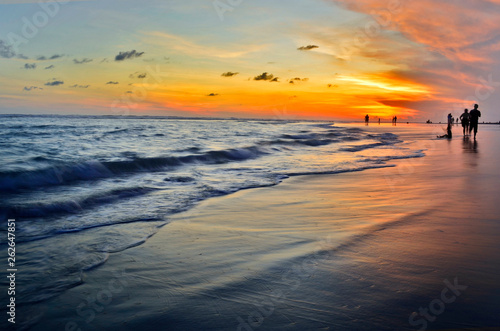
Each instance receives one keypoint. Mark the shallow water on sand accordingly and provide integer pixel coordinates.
(333, 248)
(81, 188)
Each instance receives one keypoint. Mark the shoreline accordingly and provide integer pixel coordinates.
(312, 252)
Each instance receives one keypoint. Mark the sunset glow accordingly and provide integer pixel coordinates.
(310, 59)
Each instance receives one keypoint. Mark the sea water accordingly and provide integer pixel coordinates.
(82, 187)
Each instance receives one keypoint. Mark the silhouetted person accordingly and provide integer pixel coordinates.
(448, 132)
(465, 121)
(367, 119)
(395, 120)
(448, 129)
(474, 119)
(379, 121)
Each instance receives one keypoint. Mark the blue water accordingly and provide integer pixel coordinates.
(83, 187)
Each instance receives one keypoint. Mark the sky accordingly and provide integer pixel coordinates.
(294, 59)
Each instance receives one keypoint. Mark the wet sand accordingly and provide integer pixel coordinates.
(351, 251)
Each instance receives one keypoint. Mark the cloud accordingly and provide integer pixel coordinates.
(128, 55)
(6, 51)
(188, 47)
(82, 61)
(229, 74)
(53, 57)
(450, 47)
(465, 32)
(54, 83)
(267, 77)
(30, 66)
(50, 67)
(29, 88)
(307, 48)
(138, 75)
(212, 94)
(112, 83)
(80, 86)
(298, 79)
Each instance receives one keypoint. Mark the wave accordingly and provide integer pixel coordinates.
(65, 174)
(339, 171)
(180, 179)
(384, 139)
(31, 230)
(91, 170)
(72, 206)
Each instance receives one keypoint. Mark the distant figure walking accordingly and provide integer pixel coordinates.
(379, 121)
(367, 119)
(474, 119)
(465, 121)
(394, 120)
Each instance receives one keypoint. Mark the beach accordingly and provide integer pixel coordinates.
(408, 247)
(249, 165)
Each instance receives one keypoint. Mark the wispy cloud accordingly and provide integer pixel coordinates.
(53, 57)
(461, 29)
(229, 74)
(30, 66)
(185, 46)
(82, 61)
(112, 83)
(29, 88)
(307, 48)
(128, 55)
(446, 48)
(138, 75)
(54, 83)
(298, 80)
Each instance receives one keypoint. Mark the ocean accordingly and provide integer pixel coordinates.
(82, 187)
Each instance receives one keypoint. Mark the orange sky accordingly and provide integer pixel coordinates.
(329, 59)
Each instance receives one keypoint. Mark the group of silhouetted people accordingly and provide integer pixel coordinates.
(470, 121)
(367, 120)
